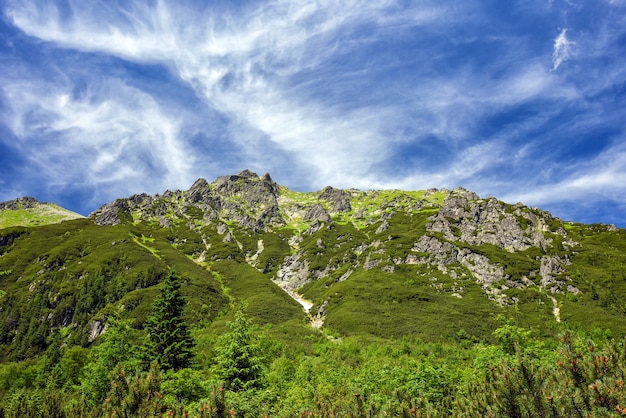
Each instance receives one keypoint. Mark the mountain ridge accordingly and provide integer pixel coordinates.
(385, 263)
(462, 216)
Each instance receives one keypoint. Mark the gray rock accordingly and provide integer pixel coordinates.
(383, 227)
(96, 328)
(229, 238)
(315, 226)
(110, 213)
(370, 264)
(316, 213)
(487, 222)
(337, 199)
(19, 203)
(293, 273)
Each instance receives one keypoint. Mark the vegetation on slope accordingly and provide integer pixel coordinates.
(433, 303)
(29, 212)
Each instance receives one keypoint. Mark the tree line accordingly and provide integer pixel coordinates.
(158, 373)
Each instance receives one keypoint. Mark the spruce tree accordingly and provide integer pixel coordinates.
(238, 358)
(169, 343)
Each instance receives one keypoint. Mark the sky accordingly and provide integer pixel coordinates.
(524, 100)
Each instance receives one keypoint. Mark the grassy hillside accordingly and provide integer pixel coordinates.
(35, 215)
(382, 263)
(396, 280)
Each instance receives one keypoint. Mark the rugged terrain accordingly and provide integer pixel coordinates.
(431, 264)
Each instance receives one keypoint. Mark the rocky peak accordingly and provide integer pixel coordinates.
(111, 213)
(200, 193)
(249, 199)
(465, 217)
(248, 185)
(139, 200)
(337, 199)
(25, 202)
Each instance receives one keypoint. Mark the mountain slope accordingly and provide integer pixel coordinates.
(27, 211)
(432, 264)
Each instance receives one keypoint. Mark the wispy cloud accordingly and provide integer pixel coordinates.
(240, 63)
(322, 92)
(563, 49)
(106, 136)
(601, 179)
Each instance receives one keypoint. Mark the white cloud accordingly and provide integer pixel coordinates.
(240, 64)
(563, 49)
(603, 177)
(112, 136)
(275, 71)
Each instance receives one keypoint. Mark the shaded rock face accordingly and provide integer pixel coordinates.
(317, 213)
(337, 199)
(96, 329)
(199, 192)
(202, 196)
(121, 209)
(8, 238)
(110, 214)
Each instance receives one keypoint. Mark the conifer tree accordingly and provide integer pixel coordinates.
(239, 356)
(169, 343)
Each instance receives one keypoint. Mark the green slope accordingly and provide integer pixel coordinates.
(35, 214)
(383, 264)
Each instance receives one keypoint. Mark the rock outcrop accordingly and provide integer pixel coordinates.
(337, 199)
(458, 224)
(111, 213)
(464, 217)
(19, 203)
(245, 197)
(316, 212)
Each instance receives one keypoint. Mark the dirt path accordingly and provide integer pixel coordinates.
(556, 310)
(316, 322)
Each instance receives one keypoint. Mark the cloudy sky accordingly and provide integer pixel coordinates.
(524, 100)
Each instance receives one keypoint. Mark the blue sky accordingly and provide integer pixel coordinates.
(522, 100)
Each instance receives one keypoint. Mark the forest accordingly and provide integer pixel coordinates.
(168, 369)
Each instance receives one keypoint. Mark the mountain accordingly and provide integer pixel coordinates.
(433, 265)
(27, 211)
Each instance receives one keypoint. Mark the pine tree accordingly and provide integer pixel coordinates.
(169, 343)
(239, 356)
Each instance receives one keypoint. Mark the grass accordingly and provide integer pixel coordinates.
(383, 305)
(41, 214)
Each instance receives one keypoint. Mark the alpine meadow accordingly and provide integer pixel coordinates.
(241, 297)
